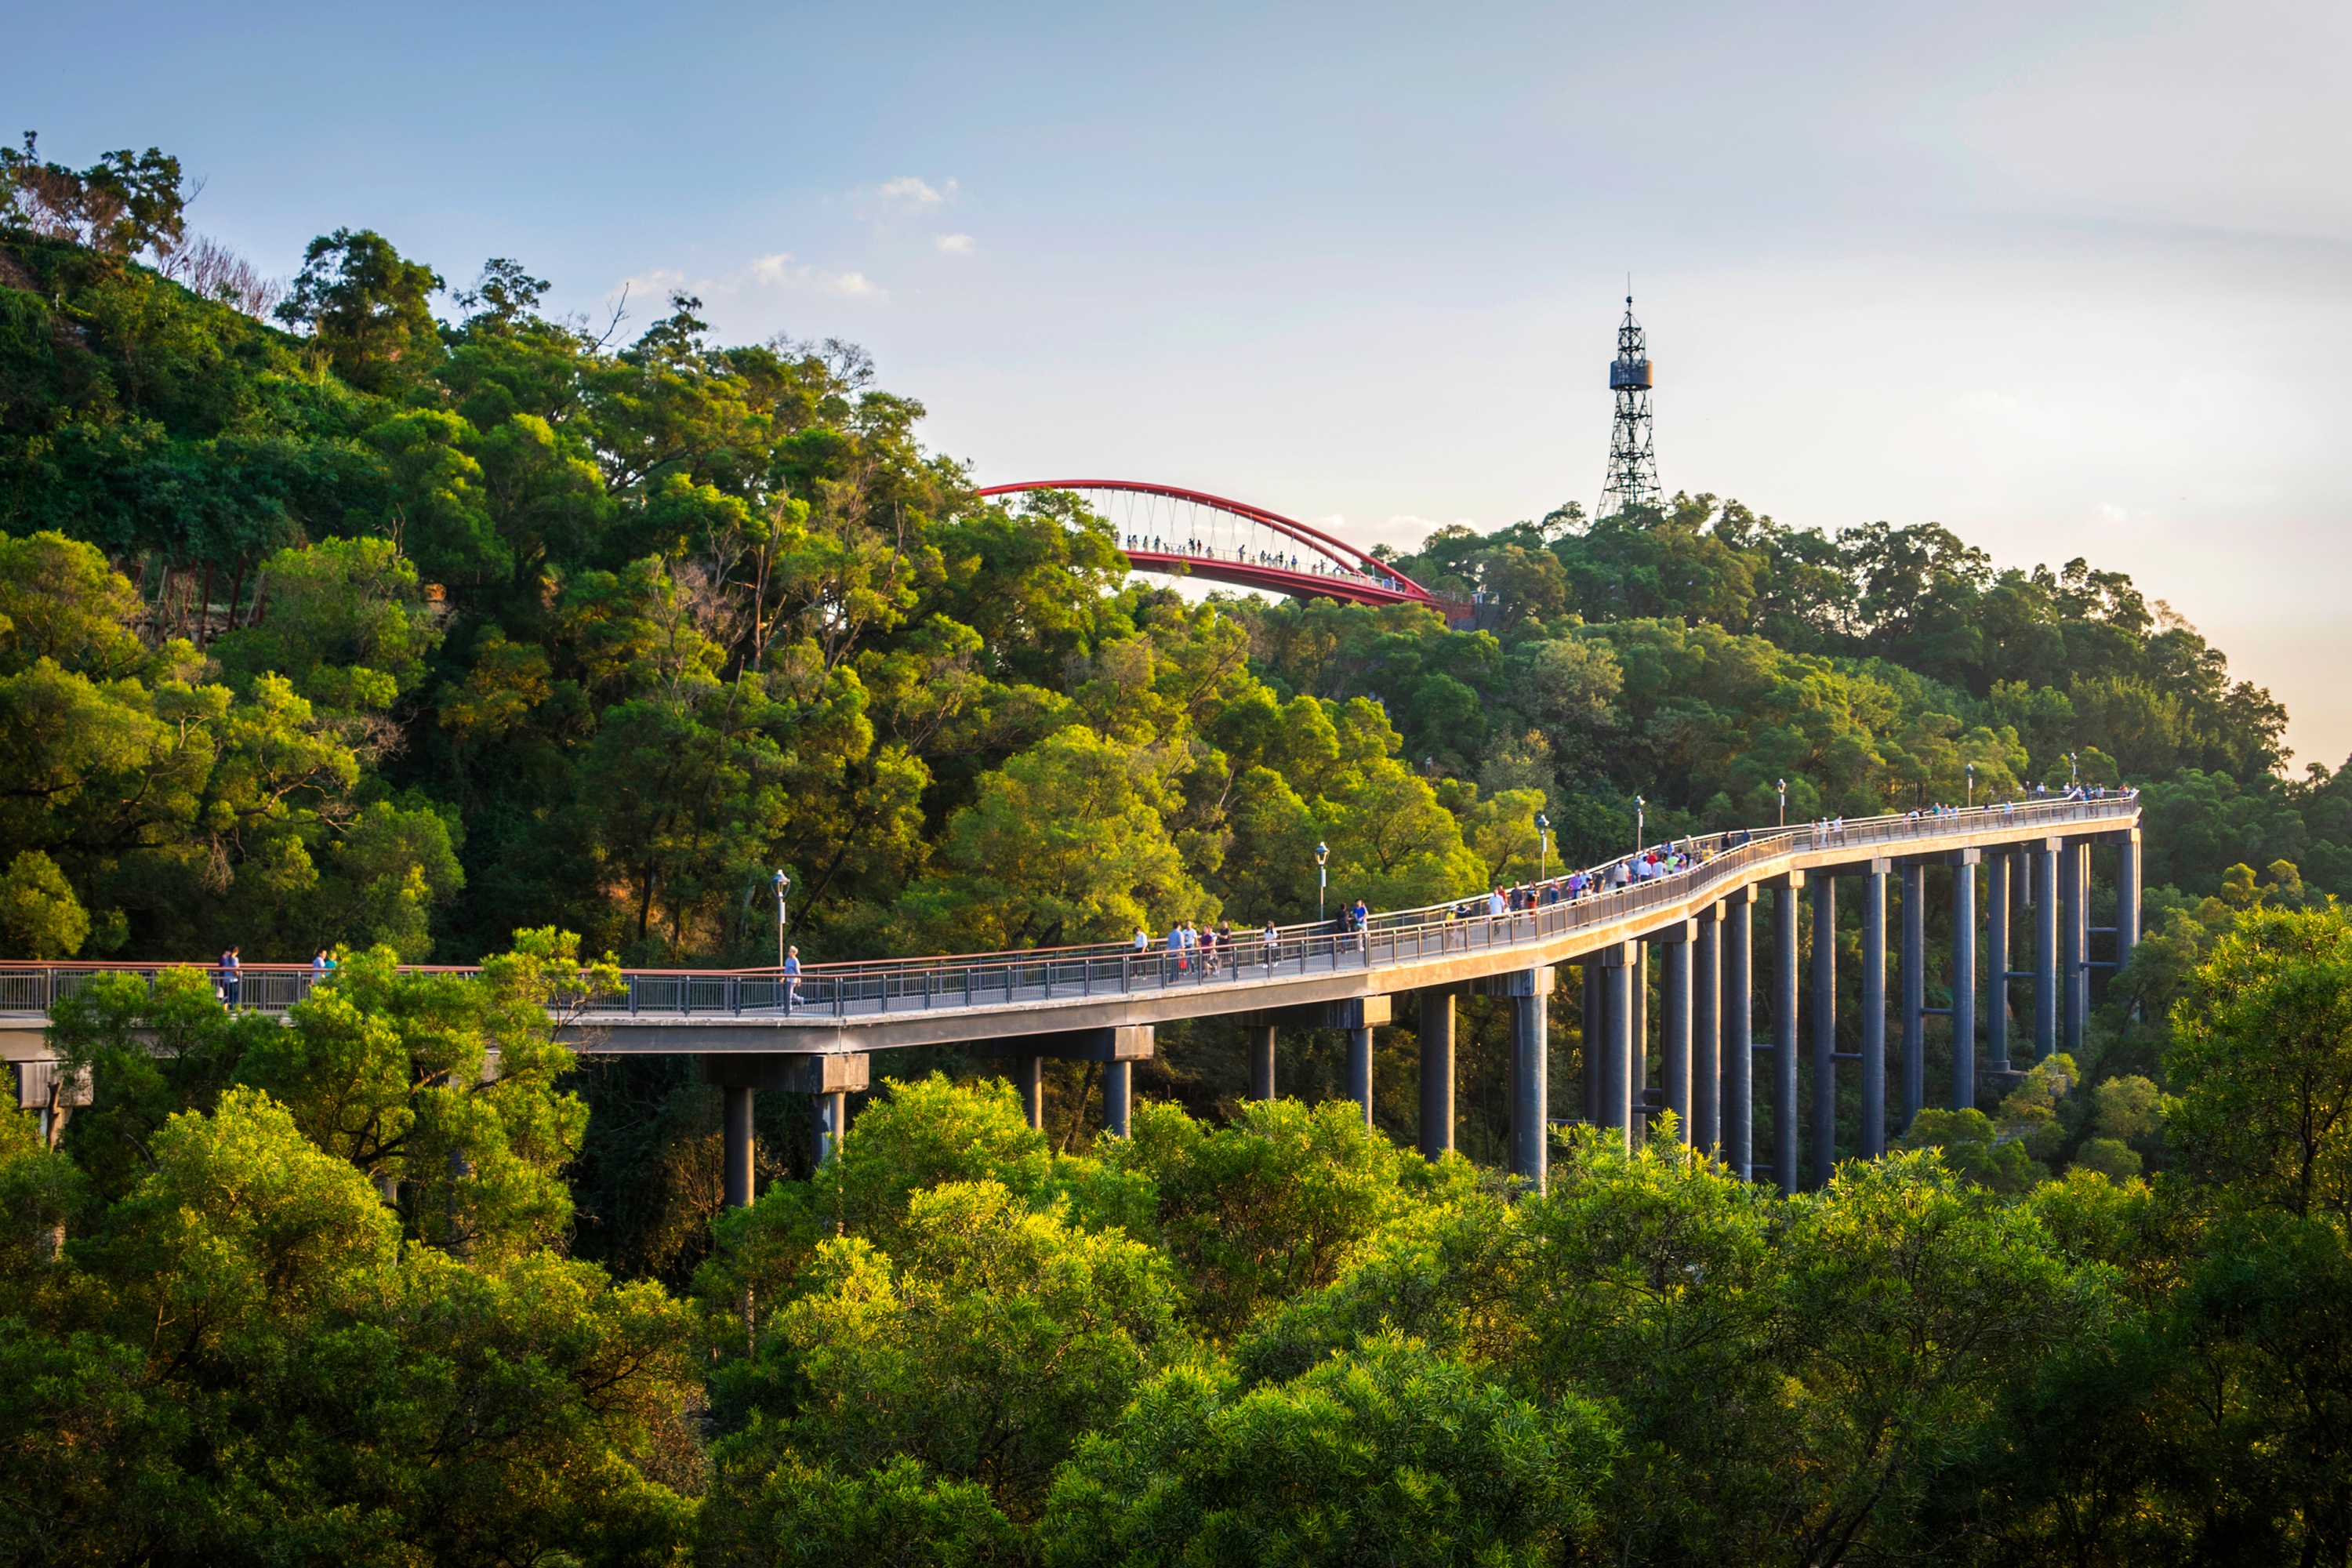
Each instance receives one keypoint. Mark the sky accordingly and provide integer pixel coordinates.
(2071, 279)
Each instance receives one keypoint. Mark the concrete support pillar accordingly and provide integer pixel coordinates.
(1739, 1033)
(1874, 1010)
(2074, 971)
(832, 1121)
(2126, 896)
(1996, 1020)
(1674, 1023)
(1617, 1053)
(2045, 948)
(1436, 1074)
(1593, 986)
(1641, 1058)
(1784, 1030)
(735, 1147)
(1531, 1082)
(1360, 1070)
(1260, 1038)
(1825, 1053)
(1029, 1077)
(1964, 980)
(1915, 991)
(1118, 1096)
(1706, 1033)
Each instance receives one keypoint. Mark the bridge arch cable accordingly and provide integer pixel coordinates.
(1169, 530)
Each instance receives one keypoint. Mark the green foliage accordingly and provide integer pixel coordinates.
(1271, 1205)
(40, 916)
(2262, 1062)
(1972, 1145)
(1391, 1454)
(304, 635)
(252, 1295)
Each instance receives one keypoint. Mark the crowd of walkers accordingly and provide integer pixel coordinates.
(1194, 951)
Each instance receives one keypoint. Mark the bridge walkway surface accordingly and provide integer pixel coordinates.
(756, 1029)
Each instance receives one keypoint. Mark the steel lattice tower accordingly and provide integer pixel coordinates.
(1633, 467)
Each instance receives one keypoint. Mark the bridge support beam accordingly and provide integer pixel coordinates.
(1996, 1021)
(1915, 990)
(1359, 1015)
(1964, 980)
(736, 1148)
(2045, 947)
(2127, 872)
(1029, 1078)
(1260, 1039)
(1112, 1045)
(1739, 1032)
(1593, 994)
(832, 1121)
(1639, 1082)
(1824, 1055)
(1436, 1074)
(1118, 1096)
(829, 1078)
(1618, 968)
(1676, 946)
(1706, 1033)
(1785, 898)
(1360, 1070)
(1530, 991)
(2075, 879)
(1873, 1009)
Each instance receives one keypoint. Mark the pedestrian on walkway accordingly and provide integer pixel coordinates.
(232, 979)
(791, 975)
(1273, 944)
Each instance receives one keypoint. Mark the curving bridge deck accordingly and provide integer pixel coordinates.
(752, 1031)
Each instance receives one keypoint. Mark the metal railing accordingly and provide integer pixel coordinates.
(1013, 979)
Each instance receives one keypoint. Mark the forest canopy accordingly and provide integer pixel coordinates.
(330, 619)
(410, 622)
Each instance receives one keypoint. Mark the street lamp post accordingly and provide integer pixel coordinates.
(1322, 878)
(1783, 787)
(1972, 786)
(784, 886)
(1639, 805)
(1543, 845)
(2073, 772)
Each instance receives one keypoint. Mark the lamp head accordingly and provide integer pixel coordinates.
(1322, 852)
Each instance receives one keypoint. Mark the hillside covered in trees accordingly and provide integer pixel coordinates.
(401, 619)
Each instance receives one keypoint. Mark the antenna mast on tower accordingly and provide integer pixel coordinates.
(1633, 467)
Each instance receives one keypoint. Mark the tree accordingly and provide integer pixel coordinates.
(992, 1338)
(40, 916)
(365, 306)
(252, 1294)
(442, 1089)
(1390, 1455)
(1069, 843)
(2262, 1063)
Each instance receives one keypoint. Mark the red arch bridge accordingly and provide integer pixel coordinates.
(1183, 532)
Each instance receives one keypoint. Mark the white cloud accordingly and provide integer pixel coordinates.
(778, 272)
(658, 284)
(911, 190)
(957, 244)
